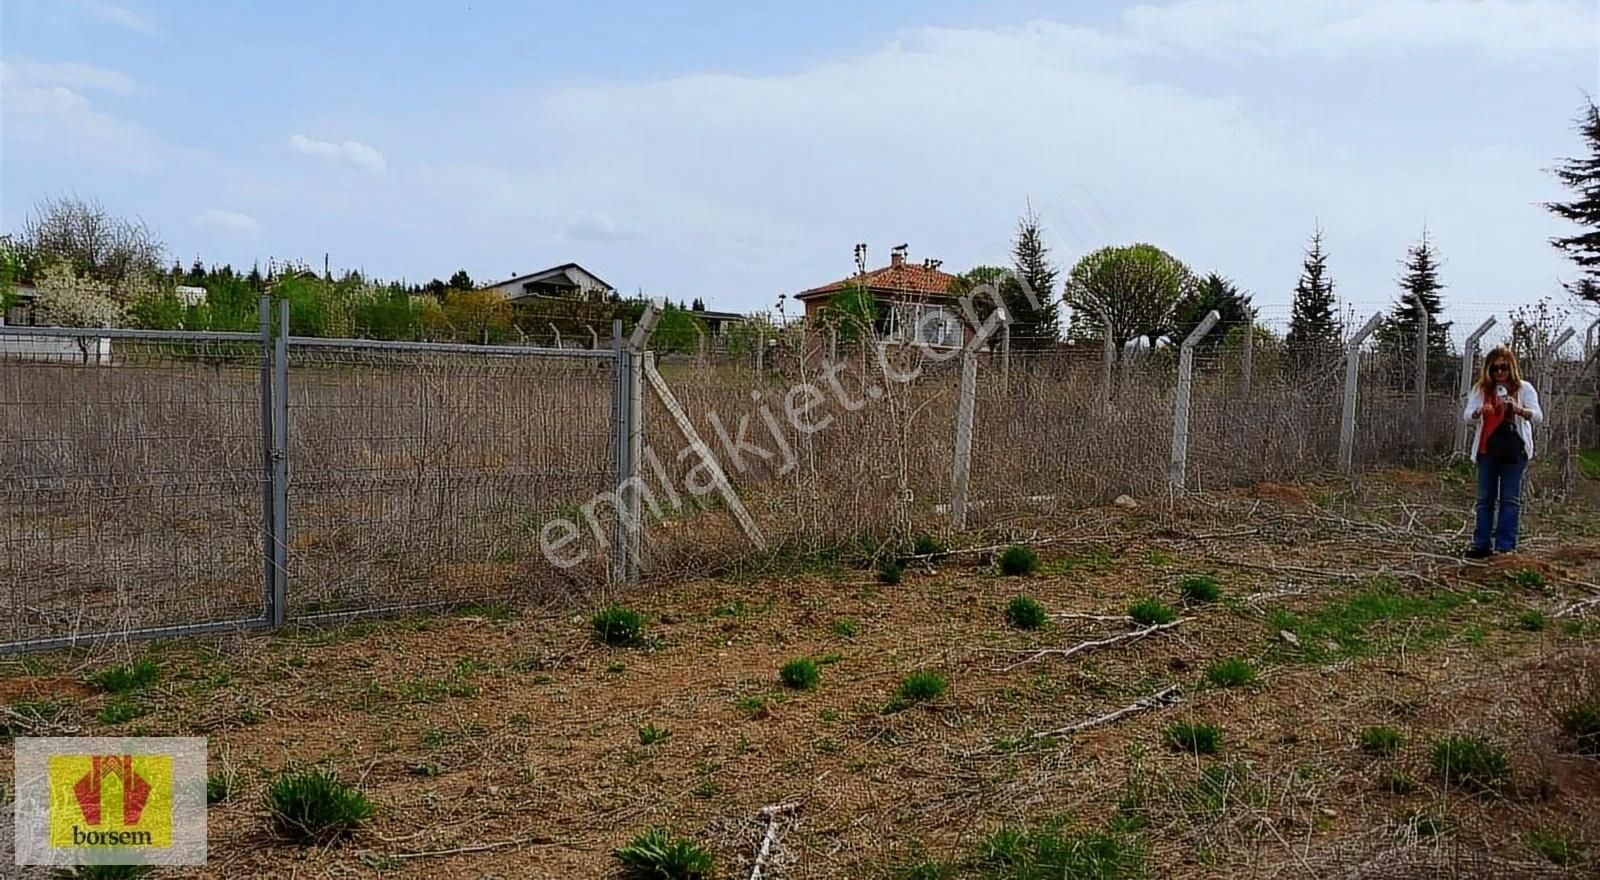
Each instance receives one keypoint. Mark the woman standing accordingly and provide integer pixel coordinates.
(1505, 409)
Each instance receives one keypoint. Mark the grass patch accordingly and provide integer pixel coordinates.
(1025, 612)
(801, 674)
(924, 869)
(650, 734)
(921, 686)
(930, 547)
(1531, 620)
(753, 706)
(1345, 628)
(1050, 852)
(845, 628)
(1200, 588)
(1555, 846)
(1470, 763)
(1396, 782)
(1150, 612)
(313, 806)
(219, 787)
(1199, 739)
(1234, 672)
(1381, 740)
(27, 716)
(658, 855)
(618, 626)
(124, 680)
(120, 712)
(890, 572)
(1589, 463)
(1018, 560)
(1527, 578)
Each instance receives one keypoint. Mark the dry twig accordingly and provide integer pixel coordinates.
(1064, 653)
(1168, 697)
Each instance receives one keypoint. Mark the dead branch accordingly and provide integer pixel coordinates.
(1064, 653)
(772, 812)
(530, 840)
(1578, 607)
(1168, 697)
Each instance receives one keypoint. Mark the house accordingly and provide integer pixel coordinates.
(566, 281)
(20, 313)
(914, 301)
(717, 323)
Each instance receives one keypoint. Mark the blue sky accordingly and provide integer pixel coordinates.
(739, 150)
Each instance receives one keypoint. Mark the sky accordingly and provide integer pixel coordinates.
(736, 151)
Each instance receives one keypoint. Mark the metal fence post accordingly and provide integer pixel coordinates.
(280, 469)
(1469, 354)
(1180, 410)
(621, 444)
(269, 532)
(961, 468)
(1352, 370)
(635, 462)
(1422, 374)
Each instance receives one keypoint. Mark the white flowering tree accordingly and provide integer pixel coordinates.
(67, 299)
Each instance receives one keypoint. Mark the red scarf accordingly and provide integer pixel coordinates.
(1493, 414)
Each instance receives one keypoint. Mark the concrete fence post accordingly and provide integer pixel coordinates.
(1469, 354)
(1109, 360)
(961, 468)
(556, 332)
(1249, 366)
(621, 446)
(1178, 470)
(1422, 376)
(1352, 373)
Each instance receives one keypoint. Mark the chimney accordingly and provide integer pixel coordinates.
(897, 256)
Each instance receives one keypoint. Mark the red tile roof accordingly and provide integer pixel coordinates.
(912, 278)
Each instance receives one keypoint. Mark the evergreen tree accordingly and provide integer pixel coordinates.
(1314, 329)
(1582, 176)
(699, 305)
(461, 280)
(1397, 336)
(1218, 293)
(197, 274)
(1032, 327)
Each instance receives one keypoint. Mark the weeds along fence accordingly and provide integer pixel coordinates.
(161, 484)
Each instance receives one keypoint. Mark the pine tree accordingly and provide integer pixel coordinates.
(1314, 330)
(1419, 284)
(1214, 292)
(1582, 176)
(1032, 328)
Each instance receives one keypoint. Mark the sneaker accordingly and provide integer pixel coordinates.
(1478, 553)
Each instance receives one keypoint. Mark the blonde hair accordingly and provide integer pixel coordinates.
(1486, 380)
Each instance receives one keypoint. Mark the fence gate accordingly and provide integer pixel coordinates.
(132, 478)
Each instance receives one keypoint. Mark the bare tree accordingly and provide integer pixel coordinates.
(82, 234)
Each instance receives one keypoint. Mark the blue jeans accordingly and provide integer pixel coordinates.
(1499, 485)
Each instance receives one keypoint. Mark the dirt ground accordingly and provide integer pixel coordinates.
(505, 742)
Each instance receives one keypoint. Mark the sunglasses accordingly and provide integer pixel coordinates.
(1500, 368)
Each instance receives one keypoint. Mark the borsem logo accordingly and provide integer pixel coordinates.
(111, 800)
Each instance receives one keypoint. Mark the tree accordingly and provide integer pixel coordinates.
(1533, 329)
(1419, 286)
(1582, 176)
(1033, 327)
(1214, 292)
(461, 280)
(1314, 330)
(477, 315)
(93, 244)
(852, 312)
(1132, 291)
(677, 330)
(699, 305)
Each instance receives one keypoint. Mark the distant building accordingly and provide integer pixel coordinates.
(190, 296)
(566, 281)
(914, 301)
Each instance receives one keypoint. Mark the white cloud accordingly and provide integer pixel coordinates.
(1328, 28)
(231, 222)
(593, 226)
(120, 16)
(73, 74)
(46, 114)
(353, 153)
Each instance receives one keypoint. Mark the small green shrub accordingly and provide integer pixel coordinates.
(1526, 577)
(650, 734)
(1018, 560)
(1234, 672)
(657, 855)
(1200, 588)
(130, 678)
(1150, 612)
(924, 869)
(845, 627)
(218, 788)
(1381, 740)
(1581, 721)
(618, 626)
(1470, 762)
(1200, 739)
(1396, 782)
(890, 572)
(919, 687)
(801, 673)
(1051, 852)
(1531, 620)
(1025, 612)
(313, 806)
(1555, 847)
(120, 712)
(929, 546)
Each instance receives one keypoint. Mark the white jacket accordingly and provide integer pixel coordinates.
(1527, 398)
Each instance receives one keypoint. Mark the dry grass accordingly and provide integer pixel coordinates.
(510, 745)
